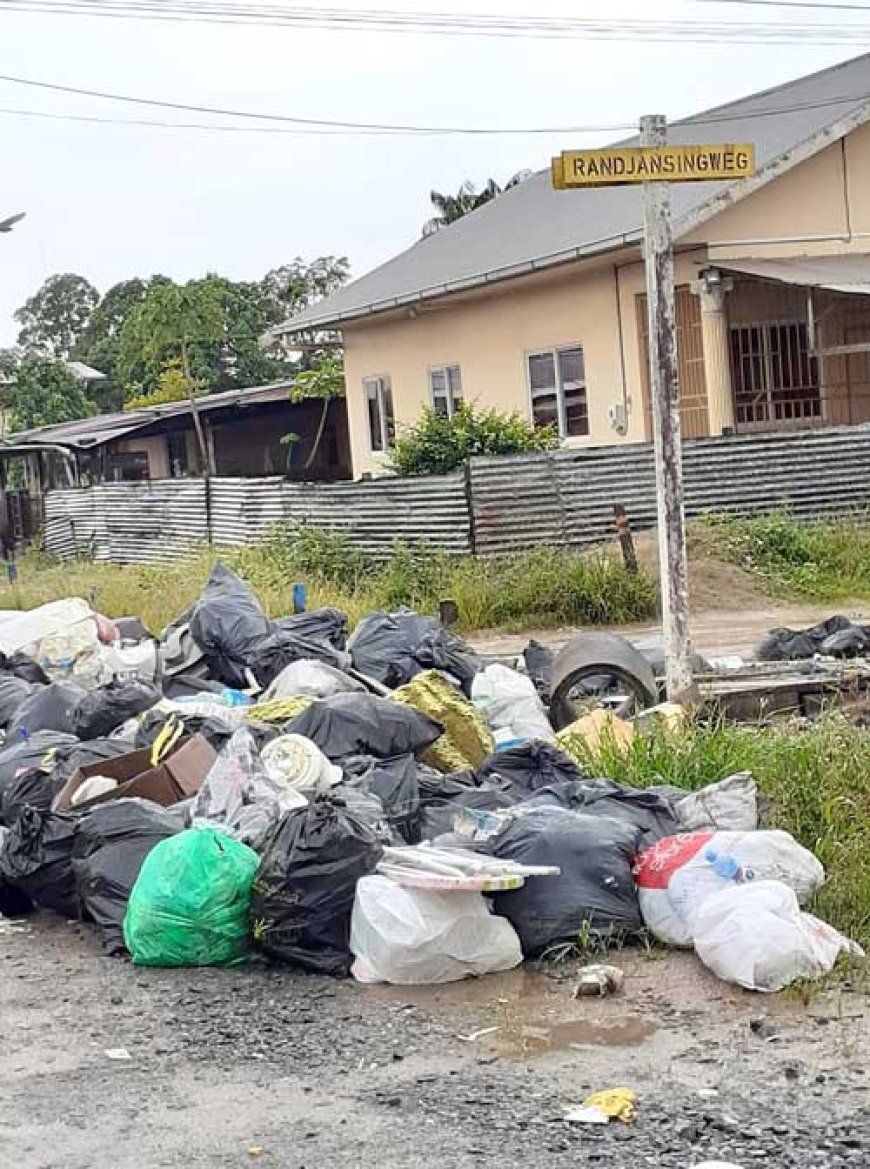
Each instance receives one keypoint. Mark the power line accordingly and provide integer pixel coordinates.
(825, 5)
(335, 127)
(460, 24)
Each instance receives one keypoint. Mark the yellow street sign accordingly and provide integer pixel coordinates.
(645, 164)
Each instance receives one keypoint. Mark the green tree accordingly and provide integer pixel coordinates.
(99, 343)
(54, 318)
(173, 321)
(324, 381)
(45, 392)
(437, 445)
(298, 285)
(468, 198)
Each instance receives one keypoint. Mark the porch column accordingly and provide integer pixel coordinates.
(712, 288)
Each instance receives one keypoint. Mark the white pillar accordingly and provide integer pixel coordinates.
(717, 354)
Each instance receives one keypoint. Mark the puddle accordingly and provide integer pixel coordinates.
(519, 1042)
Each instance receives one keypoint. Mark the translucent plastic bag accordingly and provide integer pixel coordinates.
(415, 936)
(238, 796)
(676, 876)
(757, 936)
(509, 700)
(190, 903)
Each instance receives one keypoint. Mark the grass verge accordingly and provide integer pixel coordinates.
(815, 779)
(544, 586)
(822, 561)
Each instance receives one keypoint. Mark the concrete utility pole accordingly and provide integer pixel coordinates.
(659, 261)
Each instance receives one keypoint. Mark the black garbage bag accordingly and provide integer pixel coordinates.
(86, 754)
(303, 892)
(326, 626)
(648, 811)
(595, 891)
(790, 645)
(539, 660)
(36, 858)
(228, 623)
(105, 708)
(847, 643)
(437, 816)
(48, 708)
(110, 845)
(13, 902)
(212, 728)
(361, 724)
(530, 766)
(13, 692)
(274, 653)
(394, 781)
(19, 665)
(393, 648)
(35, 788)
(44, 751)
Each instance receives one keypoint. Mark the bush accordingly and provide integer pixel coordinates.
(818, 561)
(437, 445)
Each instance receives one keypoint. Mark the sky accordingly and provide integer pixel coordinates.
(111, 202)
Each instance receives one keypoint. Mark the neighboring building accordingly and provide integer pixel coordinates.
(243, 429)
(535, 302)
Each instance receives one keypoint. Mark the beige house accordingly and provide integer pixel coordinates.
(534, 303)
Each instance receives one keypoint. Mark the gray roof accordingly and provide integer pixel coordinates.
(531, 226)
(84, 433)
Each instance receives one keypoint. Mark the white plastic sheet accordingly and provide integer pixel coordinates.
(61, 636)
(756, 936)
(509, 701)
(731, 805)
(417, 937)
(313, 678)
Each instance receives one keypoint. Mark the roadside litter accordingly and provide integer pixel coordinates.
(602, 1107)
(386, 804)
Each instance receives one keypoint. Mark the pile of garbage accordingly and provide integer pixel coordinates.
(385, 804)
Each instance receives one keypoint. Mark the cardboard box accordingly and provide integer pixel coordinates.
(178, 777)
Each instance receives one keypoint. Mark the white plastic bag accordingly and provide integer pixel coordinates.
(61, 636)
(731, 805)
(417, 937)
(677, 874)
(509, 701)
(311, 677)
(757, 936)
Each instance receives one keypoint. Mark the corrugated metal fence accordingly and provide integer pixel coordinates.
(501, 505)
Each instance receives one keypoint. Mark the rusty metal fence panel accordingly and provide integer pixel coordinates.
(503, 505)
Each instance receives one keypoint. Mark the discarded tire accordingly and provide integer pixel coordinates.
(596, 666)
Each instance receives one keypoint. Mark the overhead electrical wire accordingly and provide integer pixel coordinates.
(809, 5)
(458, 24)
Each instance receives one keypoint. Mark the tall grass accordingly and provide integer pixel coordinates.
(821, 561)
(544, 586)
(815, 780)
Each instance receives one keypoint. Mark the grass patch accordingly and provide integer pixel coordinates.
(815, 777)
(820, 561)
(544, 586)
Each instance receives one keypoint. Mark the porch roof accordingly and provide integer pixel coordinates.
(841, 273)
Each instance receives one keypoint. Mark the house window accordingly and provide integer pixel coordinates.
(776, 378)
(557, 384)
(445, 389)
(176, 452)
(379, 404)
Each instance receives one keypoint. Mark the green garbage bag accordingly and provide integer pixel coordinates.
(190, 903)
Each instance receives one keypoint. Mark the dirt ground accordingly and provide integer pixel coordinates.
(270, 1067)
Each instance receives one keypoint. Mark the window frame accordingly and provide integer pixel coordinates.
(384, 383)
(449, 392)
(555, 352)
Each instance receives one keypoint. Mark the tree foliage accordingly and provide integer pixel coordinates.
(468, 198)
(54, 318)
(437, 445)
(45, 392)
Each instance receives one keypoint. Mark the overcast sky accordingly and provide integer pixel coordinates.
(112, 202)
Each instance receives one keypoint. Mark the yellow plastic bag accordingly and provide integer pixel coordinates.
(466, 741)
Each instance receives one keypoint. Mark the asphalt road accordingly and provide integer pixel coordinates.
(264, 1066)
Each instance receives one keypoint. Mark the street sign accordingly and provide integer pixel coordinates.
(651, 164)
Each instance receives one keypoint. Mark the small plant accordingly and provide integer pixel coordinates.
(437, 445)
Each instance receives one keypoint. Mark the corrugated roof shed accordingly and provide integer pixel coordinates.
(532, 226)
